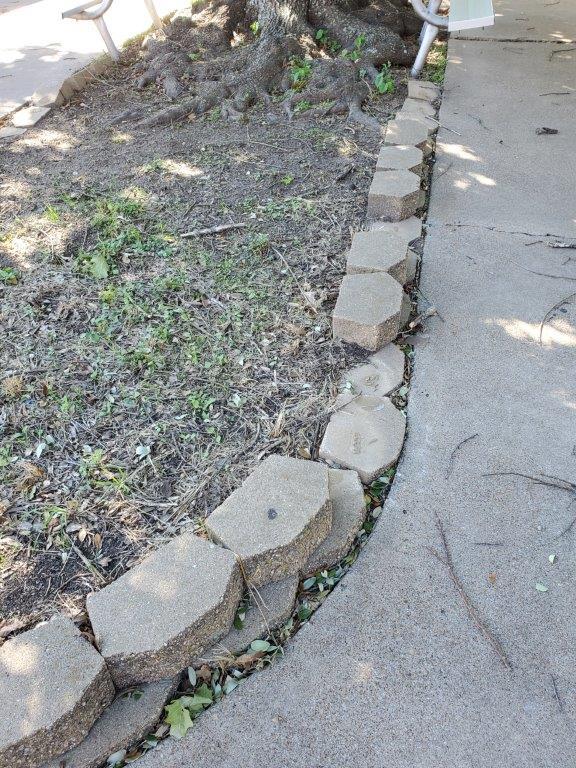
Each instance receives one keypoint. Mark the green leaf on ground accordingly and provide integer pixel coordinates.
(261, 645)
(541, 587)
(178, 718)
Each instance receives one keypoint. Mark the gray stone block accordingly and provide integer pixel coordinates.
(366, 435)
(29, 116)
(411, 265)
(270, 606)
(408, 132)
(9, 132)
(128, 720)
(379, 377)
(418, 107)
(394, 195)
(367, 310)
(423, 90)
(429, 123)
(378, 252)
(47, 98)
(152, 621)
(400, 158)
(410, 229)
(276, 519)
(53, 686)
(348, 514)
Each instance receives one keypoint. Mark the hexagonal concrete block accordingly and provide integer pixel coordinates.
(400, 158)
(408, 132)
(29, 116)
(410, 229)
(411, 265)
(429, 123)
(418, 107)
(270, 606)
(128, 720)
(365, 435)
(367, 311)
(378, 252)
(423, 90)
(53, 686)
(152, 621)
(394, 195)
(276, 519)
(379, 377)
(9, 132)
(348, 514)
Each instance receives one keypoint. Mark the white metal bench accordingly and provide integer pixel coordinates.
(94, 10)
(463, 14)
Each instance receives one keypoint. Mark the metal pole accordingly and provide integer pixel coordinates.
(154, 14)
(103, 29)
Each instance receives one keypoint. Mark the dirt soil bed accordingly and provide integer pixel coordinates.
(144, 374)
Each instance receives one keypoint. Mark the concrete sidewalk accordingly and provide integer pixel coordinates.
(392, 672)
(39, 49)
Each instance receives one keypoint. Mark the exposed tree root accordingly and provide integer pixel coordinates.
(211, 58)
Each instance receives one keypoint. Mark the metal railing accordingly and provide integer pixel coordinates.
(99, 8)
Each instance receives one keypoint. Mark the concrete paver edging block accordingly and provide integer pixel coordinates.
(366, 435)
(151, 622)
(130, 717)
(270, 606)
(53, 686)
(348, 513)
(379, 377)
(429, 123)
(378, 252)
(408, 133)
(368, 310)
(276, 519)
(423, 90)
(417, 107)
(394, 195)
(400, 157)
(410, 229)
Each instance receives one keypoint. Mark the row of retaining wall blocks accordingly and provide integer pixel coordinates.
(366, 432)
(372, 307)
(176, 608)
(290, 518)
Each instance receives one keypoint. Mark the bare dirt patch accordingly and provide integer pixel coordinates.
(143, 374)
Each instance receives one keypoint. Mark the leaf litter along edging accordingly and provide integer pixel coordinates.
(108, 462)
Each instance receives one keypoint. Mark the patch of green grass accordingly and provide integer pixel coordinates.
(435, 66)
(384, 82)
(300, 73)
(327, 43)
(122, 228)
(9, 276)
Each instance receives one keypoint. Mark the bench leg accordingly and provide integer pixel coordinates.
(430, 34)
(108, 42)
(433, 6)
(154, 14)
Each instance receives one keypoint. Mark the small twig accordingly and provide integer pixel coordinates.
(561, 245)
(556, 694)
(543, 274)
(551, 311)
(443, 171)
(455, 451)
(489, 543)
(212, 230)
(562, 50)
(470, 607)
(556, 93)
(302, 291)
(549, 480)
